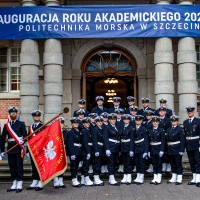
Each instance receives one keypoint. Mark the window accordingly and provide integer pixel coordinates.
(10, 72)
(198, 64)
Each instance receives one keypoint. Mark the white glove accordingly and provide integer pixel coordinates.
(73, 157)
(96, 154)
(181, 153)
(149, 154)
(144, 155)
(108, 153)
(2, 154)
(28, 155)
(161, 153)
(88, 156)
(21, 142)
(131, 153)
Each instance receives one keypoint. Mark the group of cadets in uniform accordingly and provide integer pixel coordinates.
(107, 138)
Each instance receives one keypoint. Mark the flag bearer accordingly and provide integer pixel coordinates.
(15, 131)
(192, 136)
(157, 146)
(175, 149)
(58, 181)
(36, 184)
(126, 148)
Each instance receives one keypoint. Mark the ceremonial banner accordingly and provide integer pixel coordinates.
(48, 152)
(103, 21)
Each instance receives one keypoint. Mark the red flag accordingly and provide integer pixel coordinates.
(48, 152)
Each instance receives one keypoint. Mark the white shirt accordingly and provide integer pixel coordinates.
(191, 119)
(137, 127)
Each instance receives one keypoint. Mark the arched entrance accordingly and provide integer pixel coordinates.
(108, 72)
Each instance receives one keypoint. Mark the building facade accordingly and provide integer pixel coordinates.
(51, 74)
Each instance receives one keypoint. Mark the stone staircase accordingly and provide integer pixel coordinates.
(5, 173)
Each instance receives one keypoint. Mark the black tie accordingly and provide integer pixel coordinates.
(13, 122)
(190, 121)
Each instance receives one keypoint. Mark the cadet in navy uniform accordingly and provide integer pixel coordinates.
(163, 103)
(36, 184)
(75, 150)
(175, 149)
(157, 146)
(133, 112)
(81, 105)
(192, 136)
(87, 151)
(145, 104)
(92, 121)
(165, 124)
(99, 108)
(116, 103)
(98, 147)
(131, 102)
(105, 118)
(15, 159)
(58, 181)
(112, 147)
(141, 146)
(126, 148)
(104, 166)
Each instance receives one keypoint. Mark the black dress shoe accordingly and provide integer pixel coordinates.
(191, 183)
(139, 183)
(77, 186)
(178, 183)
(152, 183)
(133, 182)
(30, 188)
(128, 183)
(18, 190)
(156, 183)
(168, 182)
(101, 184)
(38, 188)
(63, 186)
(123, 183)
(198, 184)
(11, 190)
(116, 184)
(56, 187)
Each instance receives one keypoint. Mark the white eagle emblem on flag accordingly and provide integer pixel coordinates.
(49, 152)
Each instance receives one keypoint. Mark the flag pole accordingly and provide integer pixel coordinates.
(65, 110)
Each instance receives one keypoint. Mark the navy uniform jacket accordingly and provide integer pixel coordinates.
(119, 125)
(139, 134)
(132, 122)
(73, 138)
(86, 113)
(156, 135)
(168, 112)
(148, 124)
(113, 134)
(192, 130)
(174, 136)
(165, 123)
(127, 134)
(92, 126)
(99, 110)
(112, 110)
(19, 128)
(86, 141)
(97, 140)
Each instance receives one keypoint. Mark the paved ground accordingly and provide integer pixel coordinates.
(125, 192)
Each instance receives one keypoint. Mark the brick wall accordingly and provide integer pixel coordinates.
(7, 103)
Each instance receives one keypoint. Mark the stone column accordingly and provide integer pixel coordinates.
(29, 87)
(164, 60)
(187, 83)
(53, 86)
